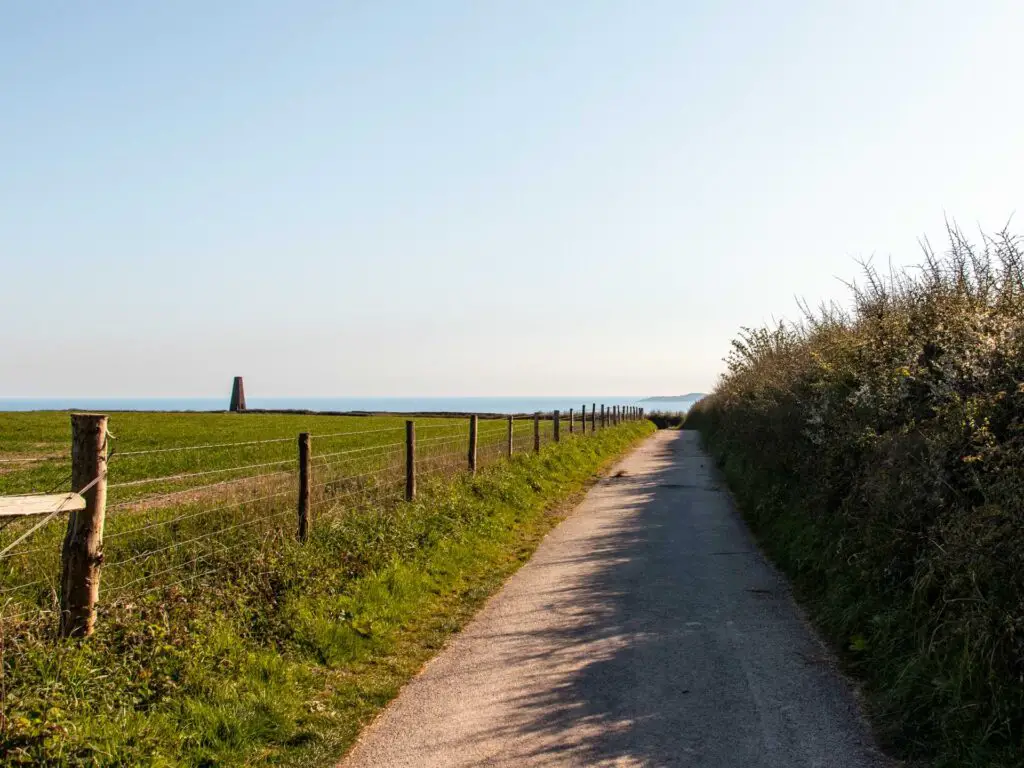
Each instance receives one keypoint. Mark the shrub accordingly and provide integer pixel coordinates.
(666, 419)
(879, 454)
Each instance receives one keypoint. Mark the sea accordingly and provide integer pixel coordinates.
(371, 404)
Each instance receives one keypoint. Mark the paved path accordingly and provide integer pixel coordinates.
(646, 631)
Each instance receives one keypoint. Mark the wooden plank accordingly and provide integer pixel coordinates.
(23, 506)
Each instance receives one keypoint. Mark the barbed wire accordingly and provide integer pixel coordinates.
(29, 612)
(343, 478)
(113, 593)
(200, 537)
(322, 458)
(399, 428)
(193, 489)
(185, 476)
(16, 587)
(206, 446)
(200, 513)
(358, 450)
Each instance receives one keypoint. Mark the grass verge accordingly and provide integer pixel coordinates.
(291, 648)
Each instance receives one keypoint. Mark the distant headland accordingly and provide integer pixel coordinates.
(674, 398)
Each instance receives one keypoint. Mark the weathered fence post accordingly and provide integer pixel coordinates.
(536, 432)
(472, 442)
(304, 484)
(410, 460)
(583, 419)
(510, 445)
(593, 417)
(556, 425)
(82, 554)
(604, 421)
(572, 422)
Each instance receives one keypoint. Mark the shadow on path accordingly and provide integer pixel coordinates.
(686, 646)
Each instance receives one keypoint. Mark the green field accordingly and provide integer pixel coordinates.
(35, 446)
(221, 639)
(187, 490)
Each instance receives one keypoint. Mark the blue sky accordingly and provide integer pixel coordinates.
(469, 198)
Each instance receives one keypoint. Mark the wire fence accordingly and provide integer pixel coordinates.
(156, 519)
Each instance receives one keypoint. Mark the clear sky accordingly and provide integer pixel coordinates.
(471, 198)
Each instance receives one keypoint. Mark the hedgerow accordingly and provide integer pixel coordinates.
(878, 453)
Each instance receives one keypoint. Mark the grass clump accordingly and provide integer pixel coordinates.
(283, 654)
(879, 455)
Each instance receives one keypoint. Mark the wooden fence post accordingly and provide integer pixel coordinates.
(536, 432)
(82, 554)
(410, 460)
(472, 442)
(556, 425)
(572, 422)
(304, 484)
(510, 445)
(583, 419)
(593, 417)
(604, 422)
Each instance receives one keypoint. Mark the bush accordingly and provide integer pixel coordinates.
(666, 419)
(879, 454)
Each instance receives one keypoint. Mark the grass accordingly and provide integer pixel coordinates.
(879, 456)
(280, 652)
(176, 510)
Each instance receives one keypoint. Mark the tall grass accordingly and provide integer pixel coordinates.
(879, 454)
